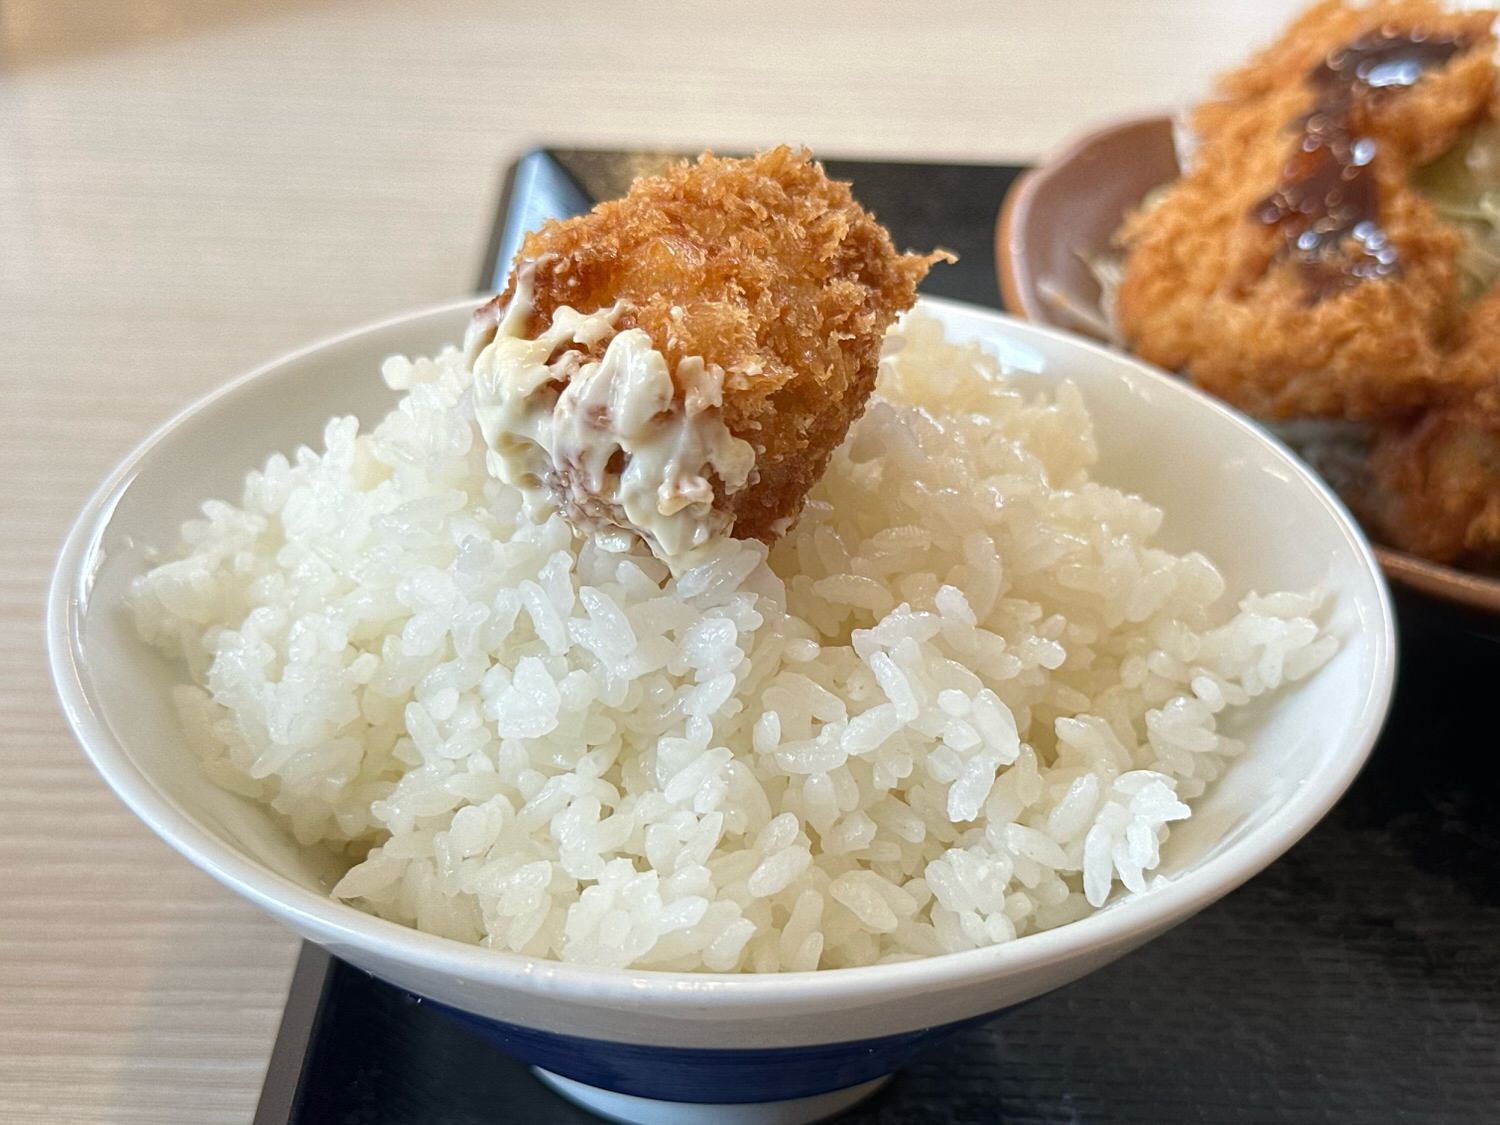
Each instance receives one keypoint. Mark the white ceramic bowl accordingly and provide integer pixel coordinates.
(652, 1046)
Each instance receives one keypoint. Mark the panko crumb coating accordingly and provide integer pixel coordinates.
(762, 266)
(1209, 288)
(1438, 476)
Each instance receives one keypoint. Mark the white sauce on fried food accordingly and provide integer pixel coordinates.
(620, 443)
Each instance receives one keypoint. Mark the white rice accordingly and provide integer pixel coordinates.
(962, 701)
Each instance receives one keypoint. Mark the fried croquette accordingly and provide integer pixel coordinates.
(1439, 485)
(1293, 270)
(1419, 124)
(1437, 477)
(766, 288)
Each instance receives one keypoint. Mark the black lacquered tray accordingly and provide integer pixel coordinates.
(1356, 980)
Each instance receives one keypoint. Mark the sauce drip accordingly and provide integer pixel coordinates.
(1327, 206)
(1381, 60)
(1327, 209)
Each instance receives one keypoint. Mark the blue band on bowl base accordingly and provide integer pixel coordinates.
(695, 1074)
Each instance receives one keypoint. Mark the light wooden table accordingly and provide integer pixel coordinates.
(187, 188)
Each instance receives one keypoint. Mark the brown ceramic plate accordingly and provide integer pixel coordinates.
(1066, 210)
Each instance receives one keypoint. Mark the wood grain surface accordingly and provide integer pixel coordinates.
(187, 189)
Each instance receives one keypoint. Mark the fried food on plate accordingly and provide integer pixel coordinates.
(683, 361)
(1452, 79)
(1438, 477)
(1440, 485)
(1294, 270)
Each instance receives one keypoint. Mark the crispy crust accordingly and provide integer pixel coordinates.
(1438, 478)
(1440, 485)
(1203, 291)
(1421, 123)
(764, 267)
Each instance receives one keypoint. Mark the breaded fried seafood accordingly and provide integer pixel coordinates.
(680, 364)
(1438, 476)
(1295, 269)
(1441, 484)
(1330, 259)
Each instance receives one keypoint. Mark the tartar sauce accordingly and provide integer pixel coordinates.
(620, 444)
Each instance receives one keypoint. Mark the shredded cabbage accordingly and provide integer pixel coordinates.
(1463, 186)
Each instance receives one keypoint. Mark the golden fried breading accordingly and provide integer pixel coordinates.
(1292, 270)
(1202, 294)
(1440, 485)
(1420, 123)
(1438, 479)
(763, 267)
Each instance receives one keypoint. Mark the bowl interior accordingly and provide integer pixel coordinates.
(1227, 490)
(201, 455)
(1233, 494)
(1067, 210)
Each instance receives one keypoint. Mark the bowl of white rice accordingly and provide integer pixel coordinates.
(1060, 652)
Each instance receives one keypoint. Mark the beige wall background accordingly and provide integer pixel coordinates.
(189, 188)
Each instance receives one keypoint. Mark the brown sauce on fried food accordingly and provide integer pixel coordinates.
(1327, 206)
(1384, 59)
